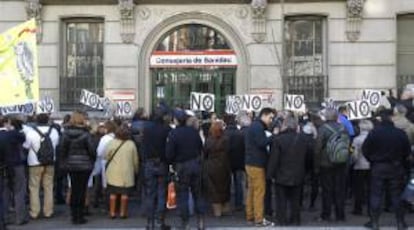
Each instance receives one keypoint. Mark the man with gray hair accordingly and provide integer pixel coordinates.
(286, 168)
(401, 122)
(332, 174)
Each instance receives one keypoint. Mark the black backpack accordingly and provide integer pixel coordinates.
(46, 153)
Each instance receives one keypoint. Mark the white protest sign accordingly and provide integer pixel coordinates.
(94, 100)
(123, 108)
(26, 109)
(373, 97)
(202, 102)
(295, 103)
(359, 110)
(237, 103)
(45, 106)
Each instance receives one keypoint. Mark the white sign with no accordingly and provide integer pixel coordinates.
(295, 103)
(202, 102)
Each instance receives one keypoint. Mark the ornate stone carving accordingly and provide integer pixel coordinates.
(355, 9)
(144, 13)
(259, 19)
(34, 10)
(242, 12)
(127, 20)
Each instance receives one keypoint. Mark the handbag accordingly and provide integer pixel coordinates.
(113, 155)
(408, 193)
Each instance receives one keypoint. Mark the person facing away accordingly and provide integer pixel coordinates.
(400, 121)
(110, 128)
(332, 175)
(218, 167)
(184, 151)
(387, 149)
(78, 158)
(287, 167)
(40, 174)
(256, 144)
(343, 119)
(121, 167)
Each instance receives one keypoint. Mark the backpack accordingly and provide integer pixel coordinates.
(337, 146)
(46, 153)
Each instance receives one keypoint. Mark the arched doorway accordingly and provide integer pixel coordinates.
(192, 58)
(160, 31)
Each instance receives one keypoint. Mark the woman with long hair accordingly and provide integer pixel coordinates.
(78, 157)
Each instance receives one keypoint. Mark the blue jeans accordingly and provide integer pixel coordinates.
(238, 183)
(155, 185)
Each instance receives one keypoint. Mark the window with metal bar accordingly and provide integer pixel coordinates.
(82, 61)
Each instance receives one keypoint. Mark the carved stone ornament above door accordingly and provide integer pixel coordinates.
(34, 10)
(355, 10)
(127, 20)
(259, 8)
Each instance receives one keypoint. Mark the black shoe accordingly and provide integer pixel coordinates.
(372, 225)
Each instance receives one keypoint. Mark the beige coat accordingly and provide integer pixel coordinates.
(403, 123)
(124, 166)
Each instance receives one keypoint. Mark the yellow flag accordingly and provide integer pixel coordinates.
(19, 74)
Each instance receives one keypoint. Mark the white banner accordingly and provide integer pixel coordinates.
(237, 103)
(373, 97)
(25, 109)
(223, 58)
(295, 103)
(359, 110)
(45, 106)
(124, 108)
(202, 102)
(94, 100)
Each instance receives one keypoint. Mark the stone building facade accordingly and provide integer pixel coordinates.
(325, 48)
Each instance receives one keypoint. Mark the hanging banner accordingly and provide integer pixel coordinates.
(124, 108)
(373, 97)
(202, 102)
(221, 58)
(19, 76)
(359, 110)
(237, 103)
(94, 100)
(295, 103)
(45, 106)
(23, 109)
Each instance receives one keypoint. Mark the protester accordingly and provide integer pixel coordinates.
(256, 144)
(60, 175)
(155, 170)
(110, 127)
(387, 149)
(16, 181)
(4, 147)
(184, 150)
(78, 157)
(121, 166)
(400, 121)
(332, 175)
(286, 168)
(216, 150)
(310, 132)
(343, 119)
(41, 173)
(237, 155)
(361, 169)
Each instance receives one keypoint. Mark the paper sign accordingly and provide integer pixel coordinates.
(373, 97)
(45, 106)
(25, 109)
(237, 103)
(124, 108)
(202, 102)
(94, 100)
(295, 103)
(359, 110)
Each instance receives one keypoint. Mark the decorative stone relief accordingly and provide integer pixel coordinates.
(34, 10)
(355, 9)
(259, 20)
(127, 20)
(242, 12)
(144, 13)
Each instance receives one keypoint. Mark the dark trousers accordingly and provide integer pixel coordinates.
(288, 198)
(79, 183)
(378, 187)
(15, 187)
(189, 180)
(238, 178)
(2, 224)
(314, 183)
(361, 183)
(333, 183)
(155, 185)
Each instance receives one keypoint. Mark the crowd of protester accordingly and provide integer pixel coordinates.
(269, 165)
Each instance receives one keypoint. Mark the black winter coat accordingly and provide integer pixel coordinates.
(387, 149)
(237, 152)
(77, 148)
(287, 161)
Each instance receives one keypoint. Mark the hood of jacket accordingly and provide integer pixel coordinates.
(75, 132)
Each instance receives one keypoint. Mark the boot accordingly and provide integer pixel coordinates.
(401, 224)
(112, 206)
(200, 223)
(124, 207)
